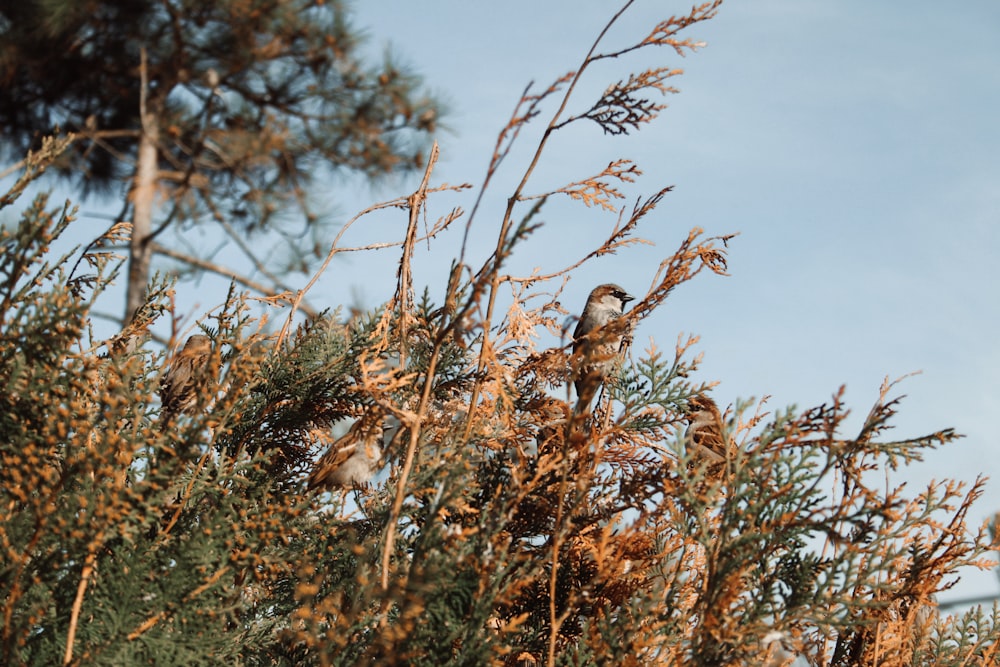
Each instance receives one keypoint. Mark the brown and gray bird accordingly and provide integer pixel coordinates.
(179, 384)
(601, 354)
(354, 458)
(704, 438)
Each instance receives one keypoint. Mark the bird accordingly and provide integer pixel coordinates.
(354, 458)
(704, 437)
(599, 356)
(179, 384)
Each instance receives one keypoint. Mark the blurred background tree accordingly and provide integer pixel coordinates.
(210, 112)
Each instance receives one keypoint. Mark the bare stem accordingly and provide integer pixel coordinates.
(89, 565)
(415, 202)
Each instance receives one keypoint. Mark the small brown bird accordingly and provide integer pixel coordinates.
(178, 386)
(704, 437)
(605, 303)
(354, 458)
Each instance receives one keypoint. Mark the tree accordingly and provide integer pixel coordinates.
(511, 529)
(225, 111)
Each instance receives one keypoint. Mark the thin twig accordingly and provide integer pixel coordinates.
(12, 168)
(89, 565)
(415, 201)
(205, 265)
(399, 202)
(187, 493)
(156, 618)
(554, 621)
(404, 284)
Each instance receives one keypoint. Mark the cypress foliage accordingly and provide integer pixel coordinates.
(504, 529)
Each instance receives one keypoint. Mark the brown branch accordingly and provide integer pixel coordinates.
(205, 265)
(399, 202)
(415, 202)
(156, 618)
(89, 565)
(334, 250)
(505, 140)
(404, 283)
(12, 168)
(663, 34)
(108, 134)
(143, 90)
(186, 495)
(231, 231)
(617, 239)
(554, 622)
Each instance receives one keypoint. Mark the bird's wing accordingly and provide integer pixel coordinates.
(177, 384)
(332, 461)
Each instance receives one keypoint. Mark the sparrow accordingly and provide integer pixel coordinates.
(704, 438)
(179, 384)
(605, 303)
(354, 458)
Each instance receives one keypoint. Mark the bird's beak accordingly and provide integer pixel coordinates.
(627, 297)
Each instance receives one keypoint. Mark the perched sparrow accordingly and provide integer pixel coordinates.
(605, 303)
(353, 458)
(178, 386)
(704, 437)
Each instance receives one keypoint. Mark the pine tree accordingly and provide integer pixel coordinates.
(508, 528)
(229, 108)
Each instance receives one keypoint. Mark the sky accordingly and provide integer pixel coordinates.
(853, 146)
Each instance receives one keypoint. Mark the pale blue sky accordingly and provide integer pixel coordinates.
(853, 145)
